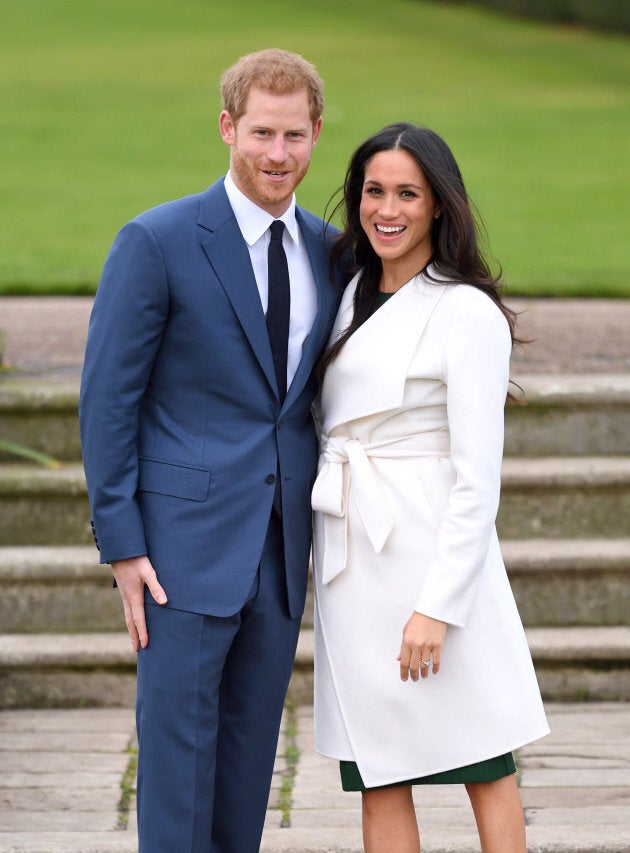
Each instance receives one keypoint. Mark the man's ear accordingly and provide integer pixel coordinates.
(227, 127)
(317, 129)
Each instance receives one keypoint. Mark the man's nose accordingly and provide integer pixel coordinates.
(278, 150)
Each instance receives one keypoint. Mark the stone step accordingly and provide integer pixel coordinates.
(563, 415)
(41, 506)
(98, 669)
(570, 582)
(59, 589)
(555, 497)
(565, 497)
(570, 415)
(66, 670)
(63, 589)
(41, 415)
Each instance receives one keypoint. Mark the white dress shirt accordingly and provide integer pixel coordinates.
(254, 224)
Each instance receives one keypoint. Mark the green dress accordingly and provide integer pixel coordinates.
(483, 771)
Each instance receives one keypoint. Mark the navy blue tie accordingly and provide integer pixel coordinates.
(278, 305)
(278, 311)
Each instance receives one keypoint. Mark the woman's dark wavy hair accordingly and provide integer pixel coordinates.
(455, 235)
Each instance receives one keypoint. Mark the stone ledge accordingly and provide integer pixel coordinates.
(68, 651)
(565, 556)
(566, 472)
(550, 389)
(575, 391)
(583, 644)
(50, 564)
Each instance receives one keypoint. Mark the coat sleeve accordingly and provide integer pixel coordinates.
(126, 326)
(476, 373)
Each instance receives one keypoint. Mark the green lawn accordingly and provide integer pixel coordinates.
(108, 107)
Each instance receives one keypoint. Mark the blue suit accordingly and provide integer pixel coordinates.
(183, 435)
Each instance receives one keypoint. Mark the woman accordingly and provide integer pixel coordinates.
(408, 573)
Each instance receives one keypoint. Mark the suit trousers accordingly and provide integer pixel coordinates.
(210, 697)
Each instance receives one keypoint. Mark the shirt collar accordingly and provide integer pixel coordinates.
(252, 220)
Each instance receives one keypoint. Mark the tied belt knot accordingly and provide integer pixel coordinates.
(329, 494)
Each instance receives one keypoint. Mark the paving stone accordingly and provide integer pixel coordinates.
(607, 723)
(333, 817)
(63, 741)
(569, 838)
(59, 780)
(67, 842)
(586, 815)
(58, 821)
(573, 798)
(73, 800)
(97, 720)
(62, 762)
(580, 756)
(584, 777)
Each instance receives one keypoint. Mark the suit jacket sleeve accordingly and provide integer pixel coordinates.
(128, 318)
(476, 372)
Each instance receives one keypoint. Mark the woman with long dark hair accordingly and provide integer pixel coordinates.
(408, 573)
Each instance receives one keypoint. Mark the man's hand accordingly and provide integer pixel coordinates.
(422, 640)
(132, 576)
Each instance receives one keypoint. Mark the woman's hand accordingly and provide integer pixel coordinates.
(422, 641)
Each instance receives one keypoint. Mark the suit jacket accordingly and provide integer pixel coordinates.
(181, 426)
(406, 499)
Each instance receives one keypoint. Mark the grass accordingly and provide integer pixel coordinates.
(291, 756)
(108, 107)
(127, 787)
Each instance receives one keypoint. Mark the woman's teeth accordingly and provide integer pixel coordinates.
(390, 229)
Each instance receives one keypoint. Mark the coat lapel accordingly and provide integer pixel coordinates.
(227, 252)
(369, 374)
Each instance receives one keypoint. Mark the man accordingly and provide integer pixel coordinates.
(200, 453)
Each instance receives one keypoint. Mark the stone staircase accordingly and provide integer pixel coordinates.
(564, 523)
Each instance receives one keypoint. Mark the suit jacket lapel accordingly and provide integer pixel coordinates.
(227, 252)
(314, 343)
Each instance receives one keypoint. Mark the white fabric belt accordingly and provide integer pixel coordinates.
(328, 494)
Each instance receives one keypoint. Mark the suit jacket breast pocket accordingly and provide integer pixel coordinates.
(173, 479)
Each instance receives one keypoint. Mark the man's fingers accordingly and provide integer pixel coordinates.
(132, 575)
(139, 622)
(131, 627)
(156, 590)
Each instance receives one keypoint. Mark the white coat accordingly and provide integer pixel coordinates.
(405, 501)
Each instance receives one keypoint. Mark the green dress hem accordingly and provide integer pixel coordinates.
(483, 771)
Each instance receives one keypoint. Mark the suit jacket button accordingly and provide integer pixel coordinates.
(270, 478)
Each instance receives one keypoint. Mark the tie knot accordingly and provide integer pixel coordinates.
(277, 229)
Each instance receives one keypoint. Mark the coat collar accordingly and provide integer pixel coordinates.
(369, 374)
(227, 253)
